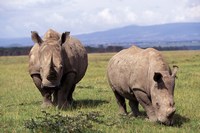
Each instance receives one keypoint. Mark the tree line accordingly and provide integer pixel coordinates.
(15, 51)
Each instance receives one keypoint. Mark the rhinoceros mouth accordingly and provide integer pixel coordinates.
(50, 85)
(167, 122)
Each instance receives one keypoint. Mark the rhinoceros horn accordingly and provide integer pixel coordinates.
(52, 72)
(175, 69)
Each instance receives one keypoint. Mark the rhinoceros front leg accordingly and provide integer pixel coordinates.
(69, 98)
(45, 93)
(65, 90)
(134, 107)
(55, 97)
(121, 103)
(146, 104)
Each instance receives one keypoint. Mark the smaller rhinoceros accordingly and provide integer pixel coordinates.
(142, 76)
(56, 64)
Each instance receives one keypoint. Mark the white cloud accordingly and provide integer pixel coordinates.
(82, 16)
(55, 18)
(149, 14)
(193, 13)
(107, 16)
(187, 13)
(130, 16)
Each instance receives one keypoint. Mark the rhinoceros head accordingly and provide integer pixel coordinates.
(50, 57)
(163, 96)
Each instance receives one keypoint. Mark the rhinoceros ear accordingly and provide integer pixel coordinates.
(157, 77)
(175, 69)
(36, 38)
(65, 37)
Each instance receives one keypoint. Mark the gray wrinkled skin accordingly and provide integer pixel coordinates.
(56, 64)
(143, 77)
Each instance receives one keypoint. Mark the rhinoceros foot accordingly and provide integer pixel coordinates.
(46, 103)
(121, 113)
(71, 101)
(65, 105)
(134, 114)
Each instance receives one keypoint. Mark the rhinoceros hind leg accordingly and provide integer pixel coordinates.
(70, 96)
(134, 108)
(121, 103)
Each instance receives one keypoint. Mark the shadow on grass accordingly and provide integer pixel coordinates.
(88, 103)
(25, 104)
(85, 87)
(180, 120)
(76, 104)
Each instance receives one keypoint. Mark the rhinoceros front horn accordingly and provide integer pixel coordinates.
(52, 72)
(175, 69)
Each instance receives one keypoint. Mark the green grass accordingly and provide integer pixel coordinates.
(20, 100)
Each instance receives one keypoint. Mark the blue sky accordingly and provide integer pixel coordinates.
(19, 17)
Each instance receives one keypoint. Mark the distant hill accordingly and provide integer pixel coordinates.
(16, 42)
(155, 33)
(174, 32)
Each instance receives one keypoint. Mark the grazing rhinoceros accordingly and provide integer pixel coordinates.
(56, 64)
(142, 76)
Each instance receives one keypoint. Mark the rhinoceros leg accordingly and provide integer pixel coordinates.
(70, 97)
(55, 98)
(45, 93)
(146, 104)
(64, 91)
(121, 103)
(134, 107)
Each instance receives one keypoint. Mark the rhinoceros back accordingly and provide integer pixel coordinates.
(75, 58)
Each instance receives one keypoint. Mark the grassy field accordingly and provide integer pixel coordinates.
(20, 100)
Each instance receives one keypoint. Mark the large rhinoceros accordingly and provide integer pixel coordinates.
(56, 64)
(142, 76)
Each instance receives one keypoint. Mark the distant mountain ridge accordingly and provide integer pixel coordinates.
(128, 34)
(132, 33)
(16, 42)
